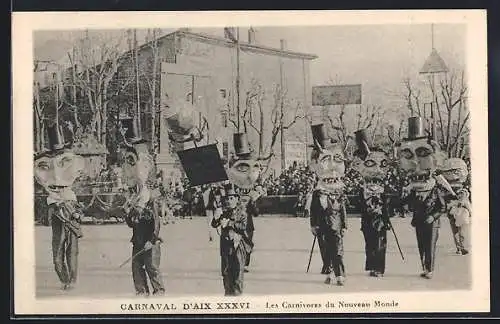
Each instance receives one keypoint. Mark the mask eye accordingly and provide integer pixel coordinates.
(243, 167)
(370, 163)
(423, 152)
(65, 161)
(338, 158)
(326, 158)
(407, 154)
(43, 165)
(131, 159)
(383, 163)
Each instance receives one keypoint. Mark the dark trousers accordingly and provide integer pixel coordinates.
(147, 263)
(375, 249)
(334, 249)
(64, 251)
(250, 237)
(233, 271)
(324, 255)
(458, 235)
(427, 236)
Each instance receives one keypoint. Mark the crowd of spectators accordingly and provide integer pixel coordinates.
(295, 180)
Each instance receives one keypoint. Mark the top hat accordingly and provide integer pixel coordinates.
(416, 129)
(319, 137)
(132, 132)
(231, 190)
(362, 143)
(241, 145)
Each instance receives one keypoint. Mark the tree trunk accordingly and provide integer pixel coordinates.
(448, 131)
(38, 145)
(38, 117)
(104, 124)
(153, 96)
(261, 132)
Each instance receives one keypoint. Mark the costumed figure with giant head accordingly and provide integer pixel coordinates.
(56, 169)
(372, 164)
(139, 212)
(458, 206)
(326, 205)
(236, 221)
(421, 158)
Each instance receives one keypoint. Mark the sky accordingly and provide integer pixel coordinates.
(378, 57)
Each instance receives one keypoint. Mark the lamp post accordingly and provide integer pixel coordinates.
(434, 65)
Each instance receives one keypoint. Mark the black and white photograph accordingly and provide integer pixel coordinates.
(245, 162)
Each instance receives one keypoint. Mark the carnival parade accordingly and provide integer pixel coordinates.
(162, 204)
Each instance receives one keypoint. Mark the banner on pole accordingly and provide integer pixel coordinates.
(336, 95)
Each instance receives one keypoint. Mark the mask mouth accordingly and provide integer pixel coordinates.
(56, 188)
(330, 180)
(421, 176)
(378, 181)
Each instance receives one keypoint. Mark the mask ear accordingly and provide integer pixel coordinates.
(79, 164)
(356, 164)
(439, 155)
(144, 167)
(435, 145)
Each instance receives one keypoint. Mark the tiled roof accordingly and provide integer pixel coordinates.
(434, 64)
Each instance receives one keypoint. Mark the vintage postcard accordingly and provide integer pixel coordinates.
(250, 162)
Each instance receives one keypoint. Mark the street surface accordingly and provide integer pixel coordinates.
(191, 264)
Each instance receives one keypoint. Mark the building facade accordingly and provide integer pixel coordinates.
(274, 88)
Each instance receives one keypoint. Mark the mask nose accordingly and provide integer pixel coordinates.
(59, 177)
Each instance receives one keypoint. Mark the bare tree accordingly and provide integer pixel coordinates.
(39, 118)
(450, 110)
(367, 117)
(265, 116)
(151, 74)
(99, 58)
(453, 93)
(412, 97)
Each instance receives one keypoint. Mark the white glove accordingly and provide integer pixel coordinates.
(224, 222)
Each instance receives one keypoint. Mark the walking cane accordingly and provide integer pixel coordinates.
(311, 254)
(133, 257)
(396, 238)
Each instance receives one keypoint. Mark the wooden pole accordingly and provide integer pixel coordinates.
(136, 57)
(238, 77)
(282, 131)
(304, 108)
(153, 94)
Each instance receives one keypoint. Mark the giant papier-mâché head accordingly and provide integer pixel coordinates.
(371, 163)
(455, 171)
(420, 156)
(244, 171)
(327, 161)
(137, 164)
(57, 167)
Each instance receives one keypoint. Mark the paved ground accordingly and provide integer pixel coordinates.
(191, 264)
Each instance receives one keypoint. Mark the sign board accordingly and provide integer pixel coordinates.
(336, 95)
(295, 152)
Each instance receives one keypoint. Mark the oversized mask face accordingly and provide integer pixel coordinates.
(330, 168)
(136, 168)
(57, 172)
(420, 158)
(244, 173)
(373, 170)
(455, 171)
